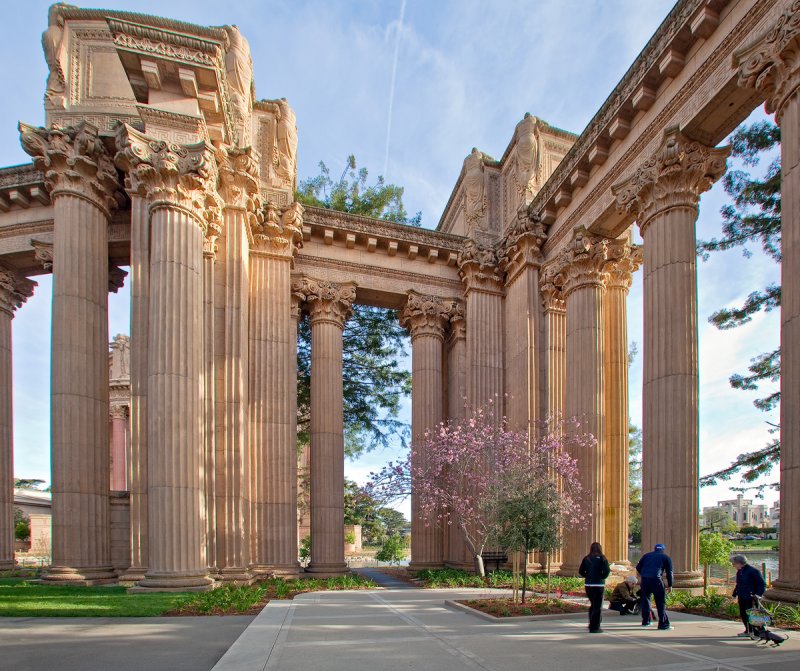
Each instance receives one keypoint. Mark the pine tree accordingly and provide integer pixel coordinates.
(753, 217)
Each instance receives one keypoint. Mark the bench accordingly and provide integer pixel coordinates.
(498, 557)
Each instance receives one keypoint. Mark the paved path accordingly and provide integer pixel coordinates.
(118, 644)
(403, 629)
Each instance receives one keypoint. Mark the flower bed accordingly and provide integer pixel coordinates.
(501, 608)
(784, 616)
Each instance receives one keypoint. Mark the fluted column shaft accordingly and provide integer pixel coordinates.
(235, 564)
(14, 290)
(175, 361)
(485, 349)
(273, 416)
(118, 468)
(584, 400)
(209, 403)
(770, 65)
(329, 306)
(426, 318)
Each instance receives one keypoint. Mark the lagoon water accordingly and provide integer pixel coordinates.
(770, 558)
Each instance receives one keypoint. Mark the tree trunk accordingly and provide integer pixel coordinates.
(547, 599)
(524, 576)
(705, 579)
(479, 565)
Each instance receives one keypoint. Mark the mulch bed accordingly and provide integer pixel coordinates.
(724, 615)
(536, 606)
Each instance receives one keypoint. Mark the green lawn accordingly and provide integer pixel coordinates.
(755, 545)
(20, 598)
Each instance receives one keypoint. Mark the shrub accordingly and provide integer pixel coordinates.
(305, 548)
(392, 550)
(350, 538)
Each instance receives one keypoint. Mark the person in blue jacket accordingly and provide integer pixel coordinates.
(595, 569)
(749, 582)
(652, 568)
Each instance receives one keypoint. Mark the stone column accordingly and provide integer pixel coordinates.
(178, 180)
(458, 554)
(624, 260)
(426, 318)
(484, 306)
(83, 183)
(238, 184)
(329, 306)
(583, 276)
(664, 196)
(118, 468)
(273, 392)
(554, 345)
(520, 260)
(209, 395)
(14, 291)
(770, 65)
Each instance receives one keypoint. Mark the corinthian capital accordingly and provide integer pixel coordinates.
(552, 290)
(771, 64)
(278, 232)
(426, 315)
(170, 175)
(522, 244)
(74, 161)
(583, 262)
(478, 267)
(326, 301)
(624, 259)
(675, 176)
(14, 290)
(238, 176)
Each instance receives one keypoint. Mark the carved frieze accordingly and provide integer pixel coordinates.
(171, 175)
(14, 289)
(674, 176)
(772, 64)
(75, 161)
(326, 301)
(426, 315)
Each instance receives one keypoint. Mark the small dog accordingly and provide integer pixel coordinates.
(763, 635)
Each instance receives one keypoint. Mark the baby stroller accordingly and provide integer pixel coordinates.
(759, 619)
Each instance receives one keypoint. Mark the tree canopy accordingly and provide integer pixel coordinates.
(753, 218)
(374, 341)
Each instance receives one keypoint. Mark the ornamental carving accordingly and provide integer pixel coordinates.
(14, 290)
(279, 232)
(118, 411)
(43, 252)
(238, 176)
(326, 301)
(116, 278)
(474, 189)
(551, 289)
(426, 315)
(239, 71)
(458, 321)
(675, 176)
(526, 157)
(53, 47)
(583, 262)
(74, 161)
(523, 241)
(286, 144)
(478, 266)
(172, 175)
(624, 259)
(772, 64)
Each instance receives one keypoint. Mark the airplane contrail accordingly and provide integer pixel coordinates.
(391, 91)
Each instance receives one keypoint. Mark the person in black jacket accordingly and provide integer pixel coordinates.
(652, 568)
(749, 582)
(595, 569)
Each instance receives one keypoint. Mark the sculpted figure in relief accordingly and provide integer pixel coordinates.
(286, 142)
(474, 193)
(239, 68)
(527, 156)
(52, 43)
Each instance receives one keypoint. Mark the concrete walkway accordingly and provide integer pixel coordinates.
(396, 629)
(121, 644)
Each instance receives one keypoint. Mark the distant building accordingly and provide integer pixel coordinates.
(775, 515)
(744, 513)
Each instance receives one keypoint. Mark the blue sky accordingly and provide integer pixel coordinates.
(466, 72)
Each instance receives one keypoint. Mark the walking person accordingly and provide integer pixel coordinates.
(749, 582)
(595, 569)
(653, 568)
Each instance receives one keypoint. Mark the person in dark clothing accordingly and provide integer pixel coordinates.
(595, 569)
(652, 568)
(625, 597)
(749, 582)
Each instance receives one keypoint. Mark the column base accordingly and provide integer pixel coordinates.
(234, 575)
(459, 565)
(688, 581)
(83, 577)
(566, 570)
(8, 565)
(783, 591)
(133, 574)
(265, 571)
(328, 570)
(170, 582)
